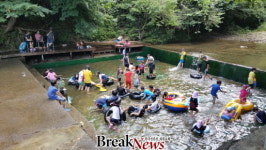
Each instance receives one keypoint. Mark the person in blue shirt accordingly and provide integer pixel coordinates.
(101, 102)
(215, 88)
(147, 94)
(54, 94)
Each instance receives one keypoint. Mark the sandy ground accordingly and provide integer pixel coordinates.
(29, 121)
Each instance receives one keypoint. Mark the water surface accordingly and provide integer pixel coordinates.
(224, 50)
(166, 123)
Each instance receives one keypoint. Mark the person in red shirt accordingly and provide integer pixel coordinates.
(128, 75)
(166, 96)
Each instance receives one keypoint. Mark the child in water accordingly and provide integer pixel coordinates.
(136, 79)
(141, 68)
(201, 126)
(230, 112)
(166, 96)
(119, 74)
(194, 103)
(244, 94)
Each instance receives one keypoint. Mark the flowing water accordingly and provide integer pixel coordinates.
(166, 123)
(237, 52)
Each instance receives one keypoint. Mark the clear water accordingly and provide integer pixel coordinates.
(166, 123)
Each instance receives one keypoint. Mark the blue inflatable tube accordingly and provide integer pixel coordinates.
(225, 117)
(207, 130)
(140, 58)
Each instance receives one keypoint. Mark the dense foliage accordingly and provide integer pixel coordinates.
(155, 21)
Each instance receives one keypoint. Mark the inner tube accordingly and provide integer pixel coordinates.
(195, 75)
(109, 112)
(136, 95)
(109, 82)
(140, 58)
(151, 76)
(76, 84)
(133, 109)
(227, 118)
(155, 111)
(207, 129)
(125, 95)
(113, 99)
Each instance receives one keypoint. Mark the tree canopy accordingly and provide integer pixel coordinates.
(155, 21)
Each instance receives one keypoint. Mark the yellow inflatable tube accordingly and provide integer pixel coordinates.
(237, 111)
(247, 106)
(101, 88)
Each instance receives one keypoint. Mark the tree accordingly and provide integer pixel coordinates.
(145, 17)
(11, 10)
(84, 14)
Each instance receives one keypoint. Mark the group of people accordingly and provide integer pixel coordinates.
(37, 41)
(136, 110)
(85, 82)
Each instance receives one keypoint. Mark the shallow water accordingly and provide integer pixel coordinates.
(166, 123)
(224, 50)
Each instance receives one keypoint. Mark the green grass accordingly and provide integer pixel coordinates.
(262, 27)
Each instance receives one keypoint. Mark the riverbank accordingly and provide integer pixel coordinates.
(30, 121)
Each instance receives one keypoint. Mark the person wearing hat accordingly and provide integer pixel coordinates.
(194, 103)
(260, 116)
(244, 94)
(201, 126)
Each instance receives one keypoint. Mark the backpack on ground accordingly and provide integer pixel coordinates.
(22, 47)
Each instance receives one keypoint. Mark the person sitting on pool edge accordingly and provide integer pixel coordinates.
(54, 94)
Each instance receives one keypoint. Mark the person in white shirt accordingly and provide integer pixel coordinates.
(81, 80)
(150, 59)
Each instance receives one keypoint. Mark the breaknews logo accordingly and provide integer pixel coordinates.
(142, 143)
